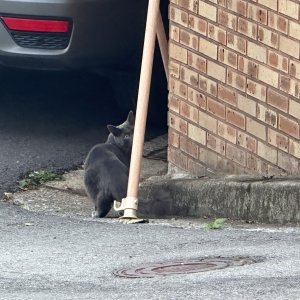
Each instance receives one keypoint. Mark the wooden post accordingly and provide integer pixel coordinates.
(143, 98)
(130, 203)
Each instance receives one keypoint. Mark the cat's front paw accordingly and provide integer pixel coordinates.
(95, 214)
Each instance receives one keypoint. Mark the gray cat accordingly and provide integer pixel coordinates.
(107, 167)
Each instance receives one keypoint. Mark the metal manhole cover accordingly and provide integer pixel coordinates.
(185, 267)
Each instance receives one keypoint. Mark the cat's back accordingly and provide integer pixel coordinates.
(100, 153)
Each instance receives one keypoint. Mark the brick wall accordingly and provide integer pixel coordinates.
(234, 102)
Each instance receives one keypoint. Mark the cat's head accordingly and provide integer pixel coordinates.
(122, 135)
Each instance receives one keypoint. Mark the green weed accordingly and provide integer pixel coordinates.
(36, 178)
(216, 224)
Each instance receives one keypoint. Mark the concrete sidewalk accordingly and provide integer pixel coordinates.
(252, 199)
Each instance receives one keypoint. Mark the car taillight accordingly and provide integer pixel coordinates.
(22, 24)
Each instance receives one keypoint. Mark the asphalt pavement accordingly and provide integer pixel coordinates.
(44, 256)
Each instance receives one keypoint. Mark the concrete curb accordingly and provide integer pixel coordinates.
(250, 199)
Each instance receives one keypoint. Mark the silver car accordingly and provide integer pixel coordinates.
(68, 34)
(105, 36)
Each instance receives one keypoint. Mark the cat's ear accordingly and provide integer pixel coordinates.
(114, 130)
(130, 118)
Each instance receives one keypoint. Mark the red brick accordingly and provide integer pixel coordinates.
(189, 112)
(178, 88)
(273, 59)
(221, 37)
(196, 98)
(252, 69)
(238, 6)
(246, 141)
(215, 144)
(227, 57)
(198, 24)
(268, 37)
(227, 132)
(277, 100)
(178, 16)
(278, 140)
(236, 80)
(266, 115)
(248, 67)
(278, 61)
(278, 22)
(235, 118)
(191, 5)
(188, 76)
(289, 126)
(197, 62)
(226, 19)
(285, 83)
(247, 28)
(207, 85)
(177, 123)
(188, 39)
(256, 90)
(227, 95)
(216, 108)
(236, 43)
(217, 34)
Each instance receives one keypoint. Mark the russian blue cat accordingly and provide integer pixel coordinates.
(107, 167)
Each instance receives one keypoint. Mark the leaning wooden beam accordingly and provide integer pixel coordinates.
(130, 203)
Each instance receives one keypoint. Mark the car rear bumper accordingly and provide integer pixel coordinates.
(104, 33)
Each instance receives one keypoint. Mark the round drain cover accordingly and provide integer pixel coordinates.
(185, 267)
